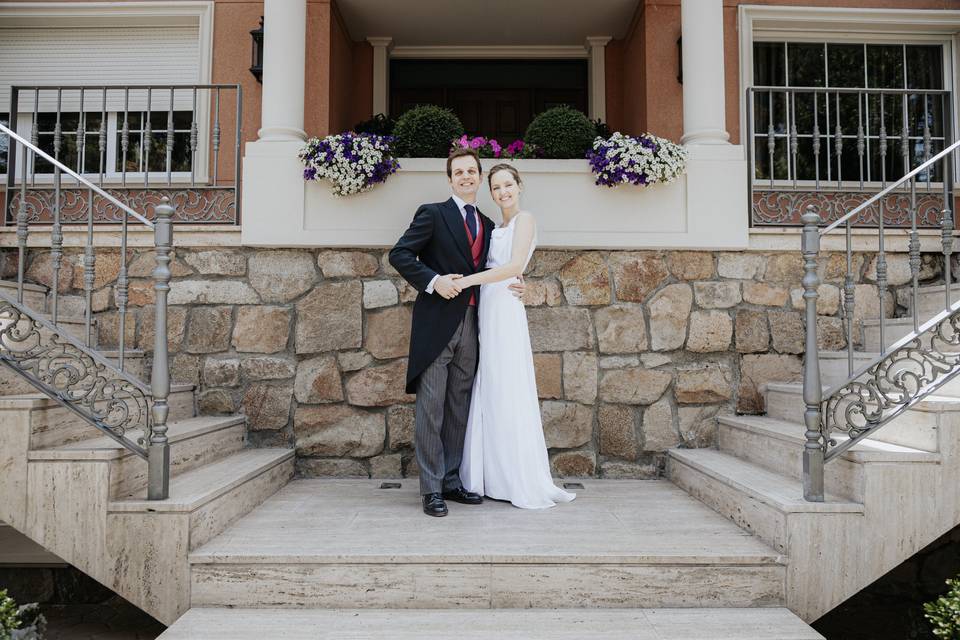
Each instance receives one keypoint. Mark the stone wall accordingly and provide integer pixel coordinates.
(635, 352)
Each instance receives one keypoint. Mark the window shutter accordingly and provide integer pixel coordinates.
(98, 55)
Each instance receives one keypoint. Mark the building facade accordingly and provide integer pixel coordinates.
(652, 310)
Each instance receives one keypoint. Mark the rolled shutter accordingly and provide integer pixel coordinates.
(99, 55)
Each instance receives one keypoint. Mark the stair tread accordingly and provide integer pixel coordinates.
(40, 400)
(195, 488)
(773, 623)
(864, 451)
(27, 286)
(933, 402)
(341, 521)
(106, 448)
(778, 491)
(842, 355)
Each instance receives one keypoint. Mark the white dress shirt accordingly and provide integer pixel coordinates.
(461, 204)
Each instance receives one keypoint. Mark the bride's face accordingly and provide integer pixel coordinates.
(505, 190)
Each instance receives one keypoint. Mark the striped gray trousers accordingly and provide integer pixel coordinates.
(443, 405)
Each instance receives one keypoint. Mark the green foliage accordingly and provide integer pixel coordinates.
(562, 132)
(944, 612)
(9, 617)
(379, 124)
(601, 128)
(426, 131)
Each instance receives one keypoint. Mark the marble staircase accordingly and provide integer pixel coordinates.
(82, 496)
(887, 497)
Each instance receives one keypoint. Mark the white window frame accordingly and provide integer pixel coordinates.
(872, 26)
(153, 13)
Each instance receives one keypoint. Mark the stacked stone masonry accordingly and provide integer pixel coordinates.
(635, 352)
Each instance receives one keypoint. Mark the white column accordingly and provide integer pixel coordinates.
(381, 74)
(704, 115)
(284, 59)
(597, 47)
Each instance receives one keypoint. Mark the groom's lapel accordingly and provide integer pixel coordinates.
(454, 222)
(487, 234)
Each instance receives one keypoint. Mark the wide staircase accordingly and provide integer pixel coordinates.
(848, 474)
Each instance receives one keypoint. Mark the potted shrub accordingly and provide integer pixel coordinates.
(425, 132)
(561, 132)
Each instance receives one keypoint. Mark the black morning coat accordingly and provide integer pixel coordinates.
(438, 238)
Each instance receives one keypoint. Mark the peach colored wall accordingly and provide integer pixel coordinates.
(613, 77)
(362, 103)
(341, 74)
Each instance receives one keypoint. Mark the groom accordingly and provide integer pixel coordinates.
(445, 241)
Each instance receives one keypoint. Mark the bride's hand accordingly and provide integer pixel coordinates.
(518, 288)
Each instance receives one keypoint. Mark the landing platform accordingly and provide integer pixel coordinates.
(611, 521)
(569, 624)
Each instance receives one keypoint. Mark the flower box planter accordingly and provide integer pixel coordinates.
(706, 208)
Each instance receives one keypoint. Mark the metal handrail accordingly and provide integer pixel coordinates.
(76, 176)
(920, 169)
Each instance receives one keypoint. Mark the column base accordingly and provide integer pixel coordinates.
(706, 136)
(279, 134)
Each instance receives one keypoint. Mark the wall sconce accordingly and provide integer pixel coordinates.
(256, 68)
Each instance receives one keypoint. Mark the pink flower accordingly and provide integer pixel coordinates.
(477, 142)
(463, 141)
(496, 148)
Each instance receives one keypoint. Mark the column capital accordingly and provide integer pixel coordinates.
(596, 41)
(380, 41)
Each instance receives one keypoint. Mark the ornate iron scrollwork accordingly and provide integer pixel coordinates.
(63, 368)
(772, 207)
(893, 383)
(192, 204)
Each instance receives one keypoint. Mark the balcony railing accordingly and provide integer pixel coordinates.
(140, 144)
(834, 148)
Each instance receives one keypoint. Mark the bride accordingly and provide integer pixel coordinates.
(504, 454)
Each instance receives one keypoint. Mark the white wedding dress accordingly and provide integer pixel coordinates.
(504, 452)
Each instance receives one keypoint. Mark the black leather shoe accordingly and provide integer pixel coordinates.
(433, 505)
(463, 496)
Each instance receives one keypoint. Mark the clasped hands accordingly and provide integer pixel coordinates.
(450, 286)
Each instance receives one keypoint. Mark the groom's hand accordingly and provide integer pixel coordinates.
(447, 287)
(518, 288)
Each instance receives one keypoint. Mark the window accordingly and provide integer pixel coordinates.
(87, 154)
(913, 71)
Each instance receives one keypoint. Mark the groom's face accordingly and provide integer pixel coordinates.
(465, 178)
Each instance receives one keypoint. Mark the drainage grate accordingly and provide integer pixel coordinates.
(573, 485)
(389, 485)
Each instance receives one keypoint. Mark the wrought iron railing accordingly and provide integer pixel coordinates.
(69, 369)
(904, 372)
(138, 143)
(836, 147)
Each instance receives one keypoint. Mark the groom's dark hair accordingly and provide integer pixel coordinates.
(460, 152)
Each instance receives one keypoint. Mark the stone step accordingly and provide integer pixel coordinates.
(931, 299)
(777, 445)
(894, 330)
(52, 424)
(917, 428)
(756, 499)
(486, 624)
(834, 369)
(194, 442)
(215, 494)
(150, 540)
(35, 421)
(34, 295)
(348, 543)
(12, 383)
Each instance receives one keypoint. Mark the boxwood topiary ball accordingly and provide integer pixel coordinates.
(561, 132)
(426, 131)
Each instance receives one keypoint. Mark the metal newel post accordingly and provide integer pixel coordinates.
(812, 389)
(159, 450)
